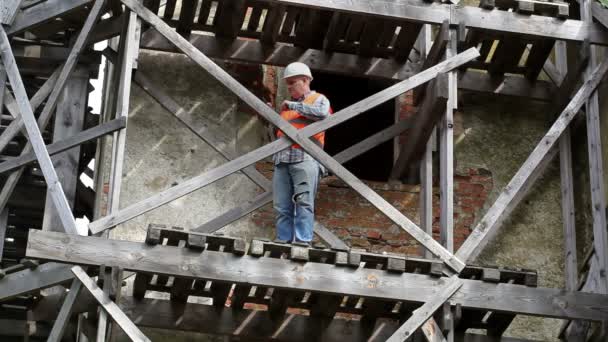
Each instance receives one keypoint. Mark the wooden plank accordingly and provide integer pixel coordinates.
(506, 56)
(263, 109)
(369, 38)
(335, 31)
(424, 313)
(43, 12)
(35, 137)
(3, 228)
(319, 277)
(55, 88)
(429, 114)
(596, 168)
(446, 154)
(69, 120)
(63, 145)
(538, 57)
(162, 314)
(434, 55)
(487, 228)
(8, 11)
(203, 14)
(272, 24)
(405, 40)
(254, 19)
(109, 306)
(169, 9)
(567, 187)
(129, 46)
(432, 331)
(63, 317)
(186, 17)
(506, 85)
(229, 18)
(31, 280)
(249, 51)
(472, 17)
(16, 125)
(426, 191)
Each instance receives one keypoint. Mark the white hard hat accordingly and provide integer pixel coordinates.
(297, 69)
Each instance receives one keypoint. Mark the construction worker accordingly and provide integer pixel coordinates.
(296, 173)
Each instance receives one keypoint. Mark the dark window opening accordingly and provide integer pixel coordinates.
(343, 91)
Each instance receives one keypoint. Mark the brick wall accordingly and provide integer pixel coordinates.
(361, 225)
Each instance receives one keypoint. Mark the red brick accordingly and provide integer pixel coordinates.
(373, 234)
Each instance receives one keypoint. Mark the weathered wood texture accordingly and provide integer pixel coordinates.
(29, 280)
(65, 313)
(69, 120)
(424, 313)
(519, 184)
(109, 306)
(34, 135)
(253, 325)
(315, 277)
(8, 11)
(291, 132)
(472, 17)
(596, 167)
(43, 12)
(65, 144)
(281, 54)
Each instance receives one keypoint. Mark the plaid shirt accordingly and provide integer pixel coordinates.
(319, 110)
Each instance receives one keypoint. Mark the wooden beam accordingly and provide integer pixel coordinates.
(260, 107)
(567, 187)
(319, 277)
(229, 18)
(54, 187)
(43, 12)
(446, 153)
(69, 120)
(429, 114)
(473, 17)
(66, 144)
(30, 280)
(432, 332)
(487, 228)
(505, 86)
(8, 11)
(61, 322)
(17, 124)
(596, 168)
(281, 54)
(129, 46)
(434, 55)
(424, 313)
(109, 306)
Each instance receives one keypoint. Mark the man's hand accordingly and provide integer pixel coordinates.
(285, 105)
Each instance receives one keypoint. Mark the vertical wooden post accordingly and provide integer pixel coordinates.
(598, 196)
(129, 49)
(446, 150)
(69, 118)
(567, 186)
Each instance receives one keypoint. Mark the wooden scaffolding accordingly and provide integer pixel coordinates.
(430, 47)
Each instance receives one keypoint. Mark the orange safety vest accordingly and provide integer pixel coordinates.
(300, 121)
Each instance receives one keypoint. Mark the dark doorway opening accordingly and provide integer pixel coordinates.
(343, 91)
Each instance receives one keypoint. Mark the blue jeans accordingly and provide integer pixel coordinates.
(294, 189)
